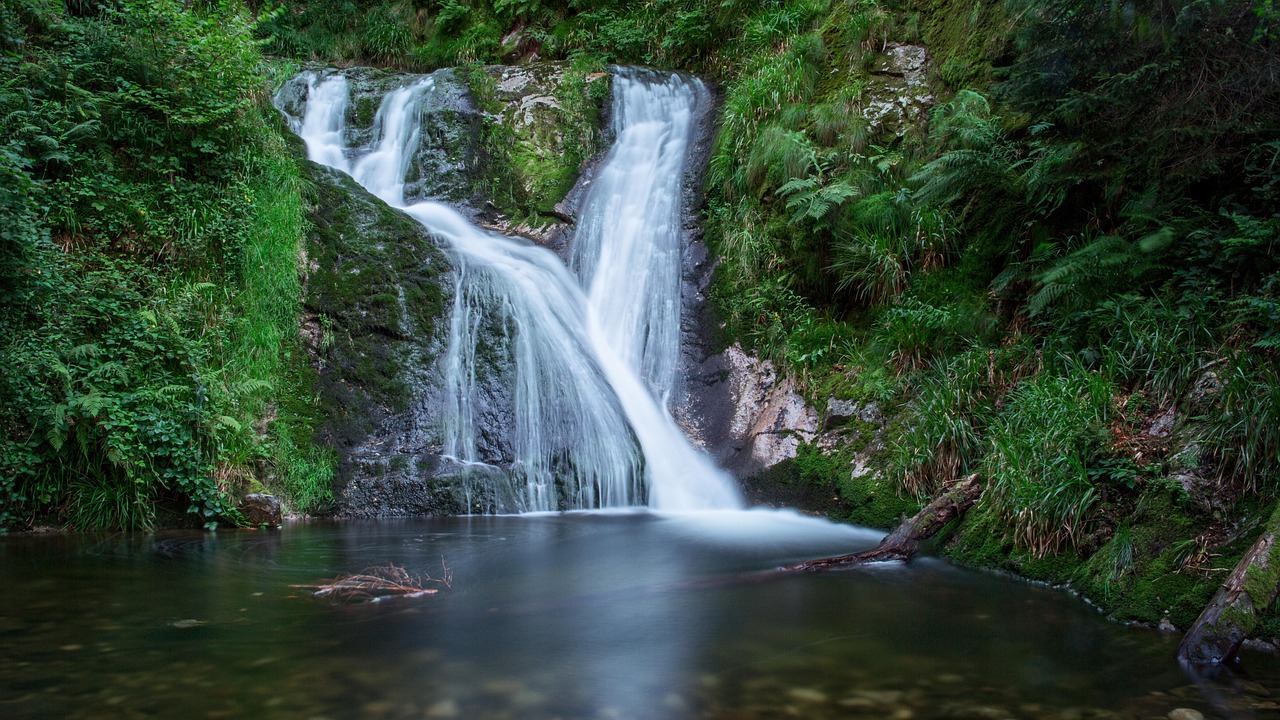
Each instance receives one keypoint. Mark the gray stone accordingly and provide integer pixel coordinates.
(899, 96)
(769, 415)
(1163, 425)
(1185, 714)
(260, 509)
(839, 411)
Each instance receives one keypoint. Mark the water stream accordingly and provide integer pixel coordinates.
(593, 352)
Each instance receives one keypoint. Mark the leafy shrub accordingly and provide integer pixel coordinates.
(150, 308)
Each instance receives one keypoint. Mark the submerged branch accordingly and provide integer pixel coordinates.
(377, 584)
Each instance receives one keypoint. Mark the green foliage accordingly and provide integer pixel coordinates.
(145, 189)
(888, 237)
(952, 404)
(1245, 430)
(1040, 449)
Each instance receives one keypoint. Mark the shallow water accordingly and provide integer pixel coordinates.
(563, 616)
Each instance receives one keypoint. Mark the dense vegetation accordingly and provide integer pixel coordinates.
(149, 228)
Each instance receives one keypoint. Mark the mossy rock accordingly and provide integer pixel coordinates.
(543, 123)
(376, 295)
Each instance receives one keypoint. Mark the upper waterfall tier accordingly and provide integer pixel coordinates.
(585, 375)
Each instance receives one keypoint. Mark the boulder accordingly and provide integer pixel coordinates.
(260, 510)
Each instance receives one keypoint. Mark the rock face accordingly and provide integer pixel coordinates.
(899, 95)
(543, 123)
(769, 416)
(746, 414)
(377, 290)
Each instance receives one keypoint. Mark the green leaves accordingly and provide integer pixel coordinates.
(137, 139)
(807, 199)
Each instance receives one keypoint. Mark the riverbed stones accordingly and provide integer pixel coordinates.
(447, 708)
(1185, 714)
(809, 695)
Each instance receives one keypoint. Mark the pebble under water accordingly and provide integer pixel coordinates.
(582, 615)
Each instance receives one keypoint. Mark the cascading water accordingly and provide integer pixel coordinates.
(590, 372)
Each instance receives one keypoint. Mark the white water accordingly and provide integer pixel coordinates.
(592, 371)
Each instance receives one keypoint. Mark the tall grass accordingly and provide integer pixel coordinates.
(1147, 342)
(1038, 454)
(264, 394)
(1245, 432)
(953, 402)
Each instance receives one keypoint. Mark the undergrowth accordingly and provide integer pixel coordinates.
(151, 230)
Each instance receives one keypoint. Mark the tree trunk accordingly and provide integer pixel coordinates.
(1233, 615)
(904, 542)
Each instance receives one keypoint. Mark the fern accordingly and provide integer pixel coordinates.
(809, 198)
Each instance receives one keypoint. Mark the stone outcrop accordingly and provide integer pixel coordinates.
(261, 510)
(898, 96)
(377, 289)
(770, 418)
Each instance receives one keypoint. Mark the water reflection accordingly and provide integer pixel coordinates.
(568, 616)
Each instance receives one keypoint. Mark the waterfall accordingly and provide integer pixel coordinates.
(590, 356)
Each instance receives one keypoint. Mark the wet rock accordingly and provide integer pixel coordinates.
(1185, 714)
(769, 415)
(882, 697)
(443, 709)
(262, 510)
(379, 287)
(975, 712)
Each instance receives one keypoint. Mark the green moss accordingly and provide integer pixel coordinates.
(365, 258)
(1148, 584)
(534, 141)
(967, 39)
(1262, 578)
(875, 501)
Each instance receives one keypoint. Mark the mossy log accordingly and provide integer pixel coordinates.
(1233, 614)
(904, 542)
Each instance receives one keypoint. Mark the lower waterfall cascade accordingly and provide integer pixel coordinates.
(591, 347)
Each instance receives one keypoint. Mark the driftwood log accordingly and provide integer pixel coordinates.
(904, 542)
(1233, 614)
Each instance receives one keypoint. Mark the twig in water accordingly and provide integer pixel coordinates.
(377, 584)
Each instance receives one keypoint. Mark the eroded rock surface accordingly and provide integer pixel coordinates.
(898, 97)
(770, 416)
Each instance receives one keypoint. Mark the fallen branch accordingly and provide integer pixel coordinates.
(1233, 614)
(904, 542)
(377, 584)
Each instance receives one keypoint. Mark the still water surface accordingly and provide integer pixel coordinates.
(563, 616)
